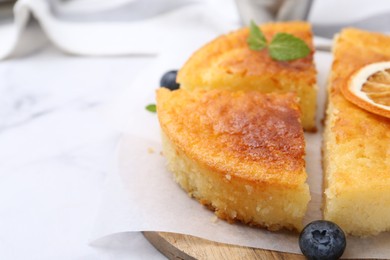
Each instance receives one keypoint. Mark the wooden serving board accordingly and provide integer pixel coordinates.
(178, 246)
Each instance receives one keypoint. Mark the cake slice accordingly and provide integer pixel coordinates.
(239, 153)
(356, 143)
(228, 63)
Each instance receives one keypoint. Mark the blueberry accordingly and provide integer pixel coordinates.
(322, 240)
(168, 80)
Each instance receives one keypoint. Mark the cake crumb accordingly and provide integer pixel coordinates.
(228, 177)
(233, 214)
(214, 219)
(150, 150)
(249, 189)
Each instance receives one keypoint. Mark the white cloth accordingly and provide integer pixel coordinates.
(122, 32)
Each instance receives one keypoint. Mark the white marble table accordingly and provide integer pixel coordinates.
(55, 151)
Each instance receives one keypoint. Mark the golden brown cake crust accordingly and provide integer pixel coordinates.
(230, 54)
(243, 134)
(228, 63)
(354, 49)
(356, 151)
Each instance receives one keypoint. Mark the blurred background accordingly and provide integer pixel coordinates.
(123, 27)
(63, 65)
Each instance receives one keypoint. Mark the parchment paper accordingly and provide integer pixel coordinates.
(140, 194)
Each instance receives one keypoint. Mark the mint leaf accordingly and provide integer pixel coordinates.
(286, 47)
(151, 108)
(256, 39)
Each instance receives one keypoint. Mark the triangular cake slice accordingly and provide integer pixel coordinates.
(228, 63)
(239, 153)
(356, 143)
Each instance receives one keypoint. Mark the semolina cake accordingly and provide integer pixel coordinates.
(356, 148)
(227, 62)
(239, 153)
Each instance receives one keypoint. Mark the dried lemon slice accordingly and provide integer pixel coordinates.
(369, 88)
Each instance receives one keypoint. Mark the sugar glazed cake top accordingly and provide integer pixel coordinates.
(357, 132)
(228, 58)
(241, 134)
